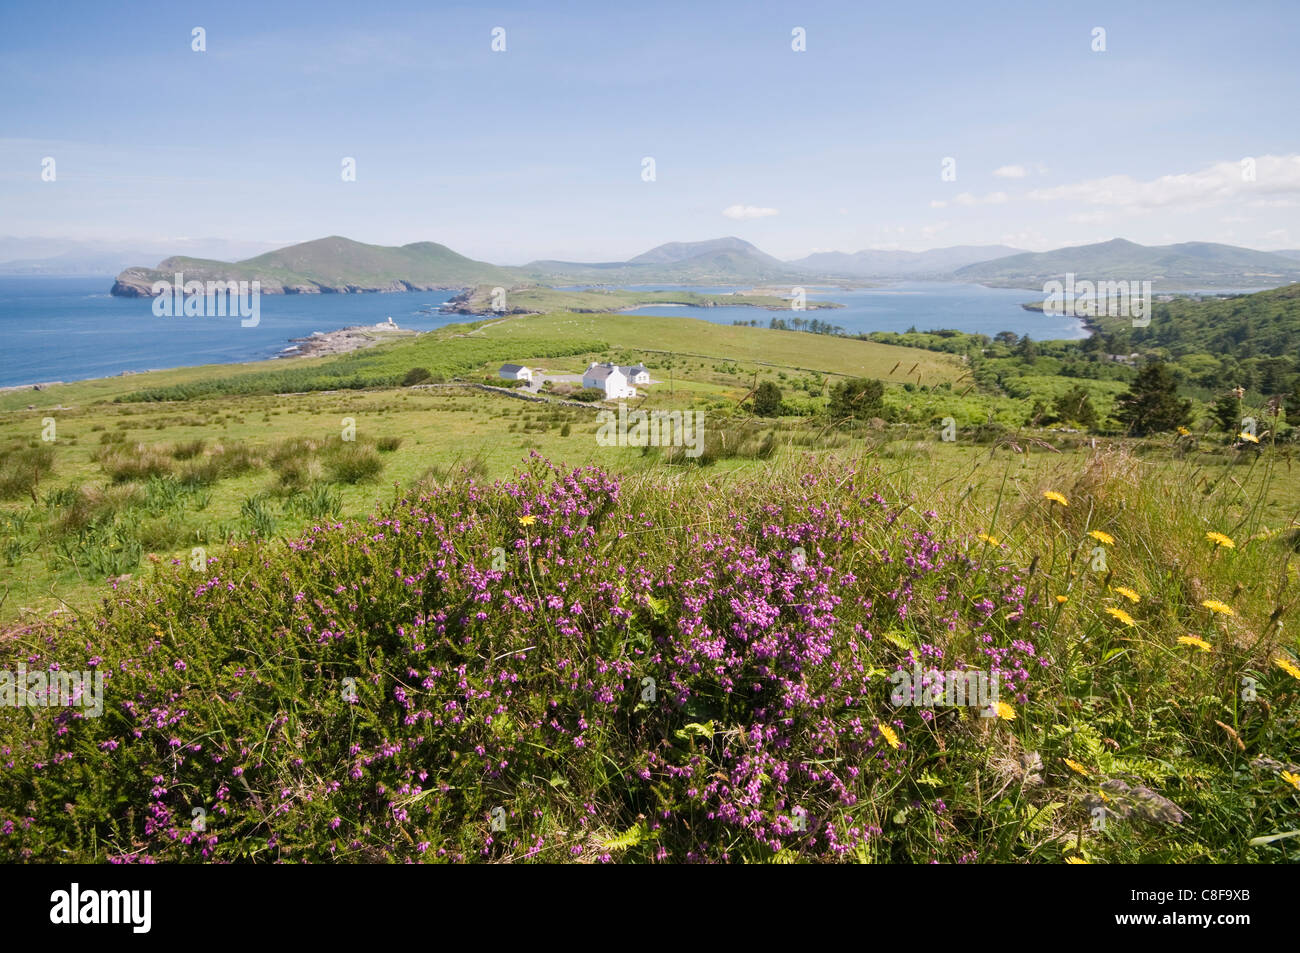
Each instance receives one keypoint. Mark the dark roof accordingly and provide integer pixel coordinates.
(512, 368)
(599, 372)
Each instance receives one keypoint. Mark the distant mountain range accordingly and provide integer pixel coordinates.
(716, 261)
(938, 262)
(1167, 267)
(340, 265)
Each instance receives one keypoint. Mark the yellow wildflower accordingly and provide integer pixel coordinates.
(1249, 437)
(1291, 779)
(991, 540)
(1218, 539)
(1101, 537)
(1076, 767)
(1183, 432)
(1286, 665)
(1128, 593)
(889, 734)
(1006, 712)
(1194, 642)
(1214, 605)
(527, 520)
(1062, 599)
(1121, 615)
(1076, 860)
(1055, 497)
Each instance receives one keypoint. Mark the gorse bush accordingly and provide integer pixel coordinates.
(568, 665)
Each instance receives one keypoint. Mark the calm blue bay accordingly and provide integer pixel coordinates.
(66, 329)
(926, 306)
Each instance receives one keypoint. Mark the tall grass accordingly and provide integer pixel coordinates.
(683, 665)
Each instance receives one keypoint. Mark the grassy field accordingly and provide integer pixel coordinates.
(219, 443)
(236, 556)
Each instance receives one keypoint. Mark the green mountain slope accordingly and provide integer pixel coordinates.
(333, 264)
(1167, 267)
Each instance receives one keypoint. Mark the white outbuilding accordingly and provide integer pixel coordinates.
(515, 372)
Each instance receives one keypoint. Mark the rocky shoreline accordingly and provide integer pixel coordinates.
(327, 343)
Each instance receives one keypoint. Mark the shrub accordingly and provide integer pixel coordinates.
(388, 444)
(767, 400)
(201, 472)
(21, 471)
(856, 401)
(416, 375)
(353, 463)
(188, 450)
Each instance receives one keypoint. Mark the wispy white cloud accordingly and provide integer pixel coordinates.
(741, 212)
(1212, 185)
(1011, 172)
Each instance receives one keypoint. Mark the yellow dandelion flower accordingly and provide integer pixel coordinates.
(1248, 437)
(889, 734)
(1184, 432)
(527, 520)
(1214, 605)
(1062, 599)
(1076, 860)
(1286, 665)
(1128, 594)
(1218, 539)
(1120, 614)
(1005, 711)
(1076, 767)
(1291, 779)
(1194, 642)
(1056, 497)
(991, 540)
(1101, 537)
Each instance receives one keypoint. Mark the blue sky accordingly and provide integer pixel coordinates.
(537, 151)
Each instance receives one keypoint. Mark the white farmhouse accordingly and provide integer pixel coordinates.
(610, 379)
(515, 372)
(637, 374)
